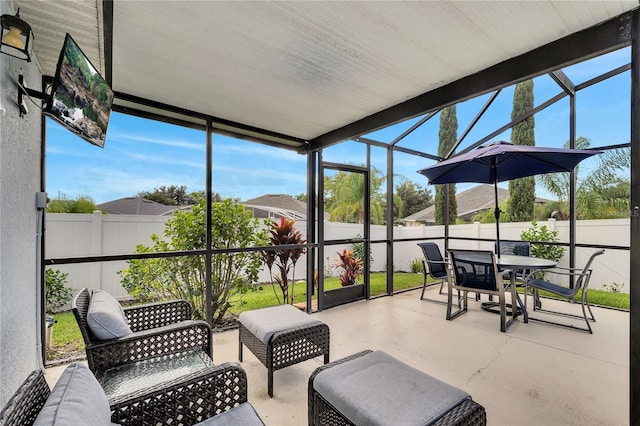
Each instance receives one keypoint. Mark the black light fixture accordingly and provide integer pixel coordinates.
(17, 37)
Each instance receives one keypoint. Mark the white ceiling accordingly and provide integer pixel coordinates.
(301, 69)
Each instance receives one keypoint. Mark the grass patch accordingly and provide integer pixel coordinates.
(66, 340)
(263, 295)
(600, 298)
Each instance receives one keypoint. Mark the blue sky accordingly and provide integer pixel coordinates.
(141, 154)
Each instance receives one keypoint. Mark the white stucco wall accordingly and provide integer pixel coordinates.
(19, 181)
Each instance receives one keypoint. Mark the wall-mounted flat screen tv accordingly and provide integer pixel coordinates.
(80, 98)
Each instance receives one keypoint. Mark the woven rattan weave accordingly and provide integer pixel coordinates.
(26, 403)
(322, 413)
(286, 347)
(159, 329)
(185, 401)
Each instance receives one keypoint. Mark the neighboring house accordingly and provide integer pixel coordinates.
(136, 205)
(470, 202)
(275, 206)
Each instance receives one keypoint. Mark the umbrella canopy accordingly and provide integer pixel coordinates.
(502, 161)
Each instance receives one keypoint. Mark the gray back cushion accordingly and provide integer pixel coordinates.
(76, 399)
(106, 318)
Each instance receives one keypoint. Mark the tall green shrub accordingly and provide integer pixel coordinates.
(448, 134)
(542, 233)
(56, 292)
(522, 191)
(184, 277)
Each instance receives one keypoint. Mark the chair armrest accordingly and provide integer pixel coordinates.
(25, 404)
(187, 400)
(151, 343)
(154, 315)
(575, 272)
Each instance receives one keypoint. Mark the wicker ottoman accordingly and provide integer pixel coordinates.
(374, 388)
(281, 336)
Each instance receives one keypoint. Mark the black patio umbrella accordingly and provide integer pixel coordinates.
(502, 161)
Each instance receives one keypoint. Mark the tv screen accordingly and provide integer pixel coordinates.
(80, 98)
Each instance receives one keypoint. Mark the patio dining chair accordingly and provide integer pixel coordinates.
(433, 265)
(580, 287)
(517, 248)
(476, 271)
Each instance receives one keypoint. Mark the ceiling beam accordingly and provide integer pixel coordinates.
(608, 36)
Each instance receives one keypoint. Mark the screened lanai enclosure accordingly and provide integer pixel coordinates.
(336, 105)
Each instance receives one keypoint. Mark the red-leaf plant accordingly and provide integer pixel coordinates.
(284, 260)
(352, 268)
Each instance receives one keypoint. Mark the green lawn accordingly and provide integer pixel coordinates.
(67, 340)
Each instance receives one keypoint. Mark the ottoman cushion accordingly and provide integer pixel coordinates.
(264, 323)
(377, 389)
(244, 414)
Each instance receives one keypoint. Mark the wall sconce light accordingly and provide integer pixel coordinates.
(17, 37)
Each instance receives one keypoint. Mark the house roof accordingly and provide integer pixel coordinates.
(305, 75)
(136, 205)
(470, 202)
(270, 205)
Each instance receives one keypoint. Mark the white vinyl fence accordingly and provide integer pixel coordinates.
(79, 235)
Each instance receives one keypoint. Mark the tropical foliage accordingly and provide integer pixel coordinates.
(602, 193)
(344, 197)
(284, 260)
(184, 277)
(351, 268)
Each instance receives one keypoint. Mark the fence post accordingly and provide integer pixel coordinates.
(96, 250)
(476, 234)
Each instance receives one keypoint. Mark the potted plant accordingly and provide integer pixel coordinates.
(350, 269)
(57, 294)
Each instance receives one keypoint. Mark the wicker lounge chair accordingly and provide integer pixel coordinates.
(356, 398)
(281, 336)
(158, 329)
(217, 395)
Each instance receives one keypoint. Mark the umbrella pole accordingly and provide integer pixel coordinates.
(496, 212)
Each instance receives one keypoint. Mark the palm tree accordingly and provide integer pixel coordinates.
(345, 197)
(602, 194)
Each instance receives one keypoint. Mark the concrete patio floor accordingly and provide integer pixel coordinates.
(534, 374)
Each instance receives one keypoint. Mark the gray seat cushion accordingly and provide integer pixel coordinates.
(106, 318)
(377, 389)
(264, 323)
(76, 399)
(244, 414)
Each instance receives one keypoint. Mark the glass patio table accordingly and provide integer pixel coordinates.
(134, 377)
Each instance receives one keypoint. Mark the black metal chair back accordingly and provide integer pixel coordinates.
(474, 269)
(434, 260)
(519, 248)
